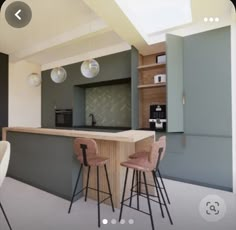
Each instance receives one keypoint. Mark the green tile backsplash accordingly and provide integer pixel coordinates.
(111, 105)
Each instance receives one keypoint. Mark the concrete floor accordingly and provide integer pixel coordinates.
(29, 208)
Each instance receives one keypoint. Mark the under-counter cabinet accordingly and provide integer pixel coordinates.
(168, 92)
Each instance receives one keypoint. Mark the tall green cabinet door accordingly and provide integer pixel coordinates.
(174, 53)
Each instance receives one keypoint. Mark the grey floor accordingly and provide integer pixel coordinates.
(29, 208)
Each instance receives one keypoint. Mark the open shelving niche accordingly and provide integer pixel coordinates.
(150, 92)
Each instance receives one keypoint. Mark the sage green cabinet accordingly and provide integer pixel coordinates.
(175, 100)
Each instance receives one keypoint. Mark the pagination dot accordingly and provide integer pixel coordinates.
(122, 221)
(113, 221)
(105, 221)
(131, 221)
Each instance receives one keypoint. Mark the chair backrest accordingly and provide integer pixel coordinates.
(157, 151)
(85, 148)
(4, 159)
(162, 144)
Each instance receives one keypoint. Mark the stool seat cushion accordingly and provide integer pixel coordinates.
(140, 164)
(139, 154)
(94, 160)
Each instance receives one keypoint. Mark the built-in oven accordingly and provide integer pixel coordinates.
(63, 117)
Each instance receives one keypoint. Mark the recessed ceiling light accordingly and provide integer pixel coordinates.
(151, 17)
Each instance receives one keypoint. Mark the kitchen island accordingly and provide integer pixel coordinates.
(44, 158)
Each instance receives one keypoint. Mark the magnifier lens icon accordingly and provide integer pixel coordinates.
(213, 208)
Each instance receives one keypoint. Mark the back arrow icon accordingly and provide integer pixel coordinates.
(17, 14)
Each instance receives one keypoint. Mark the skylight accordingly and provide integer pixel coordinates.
(152, 17)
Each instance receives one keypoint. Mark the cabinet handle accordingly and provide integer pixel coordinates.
(183, 99)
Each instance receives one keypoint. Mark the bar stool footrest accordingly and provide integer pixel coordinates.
(137, 209)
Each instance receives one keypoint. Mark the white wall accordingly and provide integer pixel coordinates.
(24, 100)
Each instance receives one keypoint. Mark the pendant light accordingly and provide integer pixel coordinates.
(90, 68)
(34, 79)
(58, 74)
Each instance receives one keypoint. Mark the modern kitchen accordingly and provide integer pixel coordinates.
(101, 85)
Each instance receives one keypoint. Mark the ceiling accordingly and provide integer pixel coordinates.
(68, 31)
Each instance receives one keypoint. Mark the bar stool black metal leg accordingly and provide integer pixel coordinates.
(140, 180)
(8, 223)
(74, 192)
(123, 195)
(109, 188)
(148, 200)
(158, 194)
(98, 197)
(164, 201)
(131, 190)
(87, 184)
(137, 189)
(163, 185)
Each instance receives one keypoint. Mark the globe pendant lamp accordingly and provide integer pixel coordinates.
(34, 79)
(90, 68)
(58, 74)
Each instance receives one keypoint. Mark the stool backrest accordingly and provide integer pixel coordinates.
(85, 148)
(158, 151)
(4, 159)
(162, 144)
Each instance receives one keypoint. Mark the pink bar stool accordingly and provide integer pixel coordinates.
(140, 166)
(162, 141)
(87, 153)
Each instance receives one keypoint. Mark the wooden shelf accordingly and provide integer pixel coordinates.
(150, 92)
(151, 66)
(152, 85)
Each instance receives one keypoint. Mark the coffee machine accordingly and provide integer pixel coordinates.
(157, 119)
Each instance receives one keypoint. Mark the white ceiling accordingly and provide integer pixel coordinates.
(60, 29)
(67, 31)
(50, 19)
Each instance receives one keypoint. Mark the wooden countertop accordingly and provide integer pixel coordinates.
(124, 136)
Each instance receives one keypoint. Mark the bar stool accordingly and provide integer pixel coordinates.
(162, 141)
(141, 166)
(86, 151)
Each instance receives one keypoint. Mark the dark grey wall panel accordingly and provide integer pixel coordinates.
(112, 67)
(79, 106)
(54, 96)
(207, 83)
(3, 91)
(46, 162)
(134, 88)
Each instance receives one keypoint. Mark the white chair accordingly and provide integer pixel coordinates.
(4, 162)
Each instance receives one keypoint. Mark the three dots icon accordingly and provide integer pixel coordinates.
(211, 19)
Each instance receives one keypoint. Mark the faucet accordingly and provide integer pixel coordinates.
(93, 119)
